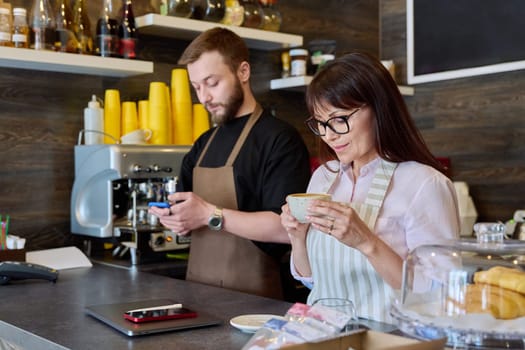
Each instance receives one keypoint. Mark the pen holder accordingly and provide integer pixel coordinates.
(13, 255)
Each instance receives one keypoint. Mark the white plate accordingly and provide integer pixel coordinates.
(251, 323)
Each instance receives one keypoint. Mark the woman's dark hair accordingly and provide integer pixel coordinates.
(355, 79)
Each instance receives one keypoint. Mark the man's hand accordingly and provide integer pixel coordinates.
(187, 212)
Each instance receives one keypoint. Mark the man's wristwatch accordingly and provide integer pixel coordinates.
(215, 220)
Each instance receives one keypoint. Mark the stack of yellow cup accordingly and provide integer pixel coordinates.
(170, 113)
(130, 121)
(182, 107)
(159, 118)
(143, 112)
(112, 116)
(201, 120)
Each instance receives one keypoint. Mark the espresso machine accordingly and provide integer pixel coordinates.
(111, 191)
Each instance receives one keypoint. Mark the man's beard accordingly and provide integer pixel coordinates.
(231, 107)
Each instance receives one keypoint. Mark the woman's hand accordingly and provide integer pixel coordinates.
(297, 234)
(342, 222)
(296, 230)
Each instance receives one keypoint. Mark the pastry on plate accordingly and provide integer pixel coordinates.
(505, 277)
(502, 303)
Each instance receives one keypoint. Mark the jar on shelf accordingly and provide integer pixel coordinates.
(234, 14)
(272, 16)
(20, 28)
(253, 14)
(299, 59)
(5, 27)
(180, 8)
(209, 10)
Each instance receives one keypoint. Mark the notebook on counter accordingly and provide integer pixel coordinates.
(113, 315)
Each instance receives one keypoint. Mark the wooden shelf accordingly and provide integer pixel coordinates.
(292, 83)
(406, 90)
(72, 63)
(188, 29)
(300, 83)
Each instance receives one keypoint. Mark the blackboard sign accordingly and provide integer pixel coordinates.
(448, 39)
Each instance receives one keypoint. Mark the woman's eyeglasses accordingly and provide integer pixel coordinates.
(340, 124)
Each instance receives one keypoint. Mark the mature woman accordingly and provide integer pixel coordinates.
(389, 194)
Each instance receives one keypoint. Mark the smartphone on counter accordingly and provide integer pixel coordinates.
(160, 313)
(159, 204)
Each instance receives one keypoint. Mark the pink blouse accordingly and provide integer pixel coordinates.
(420, 206)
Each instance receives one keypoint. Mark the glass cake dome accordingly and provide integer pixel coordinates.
(471, 291)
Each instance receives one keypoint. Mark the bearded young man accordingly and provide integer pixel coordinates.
(237, 175)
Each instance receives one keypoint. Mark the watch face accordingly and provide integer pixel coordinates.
(215, 223)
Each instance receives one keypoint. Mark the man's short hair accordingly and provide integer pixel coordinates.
(229, 45)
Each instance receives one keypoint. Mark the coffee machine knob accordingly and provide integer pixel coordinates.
(157, 168)
(159, 241)
(139, 169)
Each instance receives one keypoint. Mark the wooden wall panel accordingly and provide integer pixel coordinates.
(477, 122)
(41, 112)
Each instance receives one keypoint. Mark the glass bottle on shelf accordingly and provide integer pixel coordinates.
(42, 33)
(163, 7)
(285, 61)
(128, 32)
(82, 28)
(272, 17)
(253, 14)
(20, 28)
(66, 40)
(5, 27)
(209, 10)
(234, 13)
(180, 8)
(107, 41)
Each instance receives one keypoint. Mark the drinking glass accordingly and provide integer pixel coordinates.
(342, 305)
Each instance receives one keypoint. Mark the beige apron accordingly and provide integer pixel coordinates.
(220, 258)
(352, 276)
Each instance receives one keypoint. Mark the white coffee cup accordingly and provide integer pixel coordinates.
(136, 137)
(299, 203)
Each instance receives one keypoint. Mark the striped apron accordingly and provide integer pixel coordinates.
(340, 271)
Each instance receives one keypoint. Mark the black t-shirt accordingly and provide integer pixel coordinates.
(272, 163)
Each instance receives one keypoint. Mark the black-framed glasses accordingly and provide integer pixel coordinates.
(340, 124)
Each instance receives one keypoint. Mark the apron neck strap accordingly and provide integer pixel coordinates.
(244, 134)
(206, 147)
(249, 124)
(380, 183)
